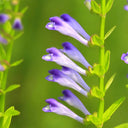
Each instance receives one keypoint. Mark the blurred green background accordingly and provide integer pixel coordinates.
(30, 98)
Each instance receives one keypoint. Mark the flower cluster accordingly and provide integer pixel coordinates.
(69, 76)
(126, 6)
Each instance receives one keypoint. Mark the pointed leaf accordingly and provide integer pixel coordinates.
(107, 60)
(109, 112)
(109, 82)
(16, 63)
(96, 40)
(109, 32)
(18, 35)
(12, 87)
(125, 125)
(2, 52)
(7, 27)
(24, 10)
(109, 5)
(95, 7)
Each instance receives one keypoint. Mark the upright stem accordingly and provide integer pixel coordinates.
(102, 50)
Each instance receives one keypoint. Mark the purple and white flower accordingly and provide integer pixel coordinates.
(68, 26)
(124, 57)
(2, 40)
(57, 56)
(74, 54)
(72, 100)
(64, 80)
(58, 108)
(76, 77)
(2, 68)
(17, 25)
(3, 18)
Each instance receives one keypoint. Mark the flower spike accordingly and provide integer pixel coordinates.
(58, 108)
(57, 56)
(76, 77)
(3, 18)
(74, 53)
(17, 24)
(124, 57)
(72, 100)
(63, 27)
(2, 40)
(64, 80)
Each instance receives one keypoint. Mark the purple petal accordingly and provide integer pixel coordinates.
(64, 80)
(57, 56)
(74, 53)
(2, 40)
(75, 25)
(3, 18)
(72, 100)
(124, 57)
(61, 26)
(126, 7)
(17, 24)
(1, 68)
(58, 108)
(76, 77)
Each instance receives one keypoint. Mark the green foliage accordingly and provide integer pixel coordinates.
(96, 92)
(109, 32)
(18, 35)
(7, 27)
(8, 116)
(109, 82)
(12, 87)
(16, 63)
(109, 112)
(107, 60)
(2, 52)
(96, 8)
(24, 10)
(96, 40)
(109, 5)
(125, 125)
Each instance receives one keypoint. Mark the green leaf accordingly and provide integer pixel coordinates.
(24, 10)
(109, 112)
(107, 60)
(109, 82)
(1, 114)
(2, 52)
(109, 32)
(8, 116)
(12, 87)
(7, 27)
(16, 63)
(109, 5)
(95, 7)
(97, 70)
(96, 40)
(18, 35)
(96, 92)
(125, 125)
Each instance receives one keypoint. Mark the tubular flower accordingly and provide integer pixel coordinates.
(72, 100)
(124, 57)
(2, 40)
(68, 26)
(1, 68)
(64, 80)
(76, 77)
(17, 25)
(58, 108)
(57, 56)
(3, 18)
(74, 53)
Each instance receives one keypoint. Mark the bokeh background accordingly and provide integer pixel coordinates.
(30, 98)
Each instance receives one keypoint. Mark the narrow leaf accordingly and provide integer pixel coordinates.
(96, 40)
(109, 82)
(109, 112)
(109, 32)
(18, 35)
(12, 87)
(95, 7)
(24, 10)
(16, 63)
(125, 125)
(107, 60)
(109, 5)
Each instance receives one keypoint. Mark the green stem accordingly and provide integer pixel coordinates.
(102, 52)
